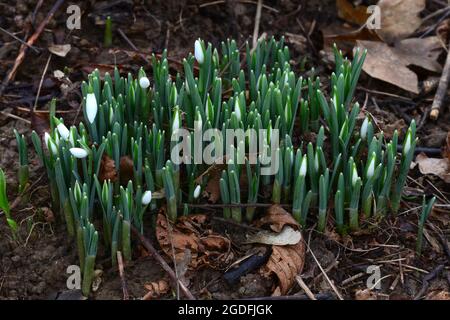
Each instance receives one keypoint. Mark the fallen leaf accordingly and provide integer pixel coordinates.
(126, 170)
(193, 242)
(212, 189)
(60, 50)
(156, 289)
(349, 13)
(436, 166)
(399, 18)
(276, 217)
(440, 295)
(390, 63)
(107, 169)
(287, 236)
(285, 263)
(365, 294)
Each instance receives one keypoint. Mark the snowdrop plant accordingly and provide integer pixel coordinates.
(331, 164)
(23, 173)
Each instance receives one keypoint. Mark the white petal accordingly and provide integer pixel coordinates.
(176, 122)
(197, 191)
(146, 197)
(303, 167)
(46, 138)
(79, 153)
(144, 82)
(364, 128)
(237, 110)
(91, 107)
(198, 52)
(407, 146)
(63, 131)
(371, 169)
(354, 176)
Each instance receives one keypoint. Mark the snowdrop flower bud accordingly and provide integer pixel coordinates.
(303, 167)
(91, 107)
(364, 129)
(198, 123)
(408, 142)
(147, 197)
(46, 138)
(371, 169)
(144, 82)
(198, 52)
(63, 131)
(176, 121)
(79, 153)
(197, 191)
(237, 110)
(51, 146)
(354, 176)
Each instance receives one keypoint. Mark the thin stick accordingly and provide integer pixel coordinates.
(305, 288)
(126, 296)
(441, 90)
(20, 40)
(41, 82)
(21, 56)
(325, 274)
(257, 21)
(146, 243)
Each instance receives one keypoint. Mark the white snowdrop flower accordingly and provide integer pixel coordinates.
(364, 127)
(197, 191)
(147, 197)
(79, 153)
(176, 121)
(408, 143)
(63, 131)
(91, 107)
(371, 169)
(354, 176)
(50, 144)
(237, 110)
(303, 167)
(46, 138)
(198, 52)
(144, 82)
(198, 124)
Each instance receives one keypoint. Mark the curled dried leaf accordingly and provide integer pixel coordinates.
(107, 169)
(276, 218)
(156, 289)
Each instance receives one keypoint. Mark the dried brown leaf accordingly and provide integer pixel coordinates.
(349, 13)
(390, 64)
(60, 50)
(435, 166)
(399, 18)
(107, 169)
(438, 295)
(276, 217)
(126, 170)
(365, 294)
(285, 263)
(156, 289)
(193, 242)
